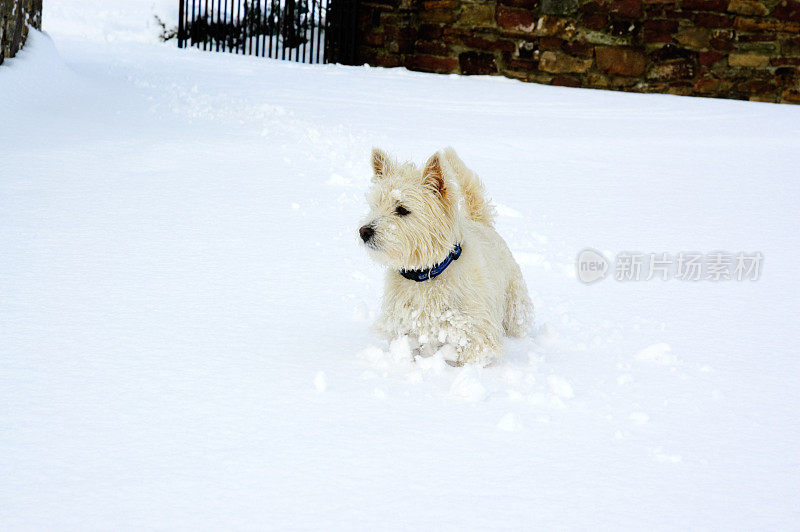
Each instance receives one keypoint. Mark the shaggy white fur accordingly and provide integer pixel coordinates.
(416, 218)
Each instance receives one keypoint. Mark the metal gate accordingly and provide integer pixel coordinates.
(306, 31)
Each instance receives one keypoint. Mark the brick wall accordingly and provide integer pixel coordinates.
(742, 49)
(16, 16)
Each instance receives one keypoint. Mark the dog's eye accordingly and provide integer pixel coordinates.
(401, 211)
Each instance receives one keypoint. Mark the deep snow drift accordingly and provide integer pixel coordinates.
(185, 311)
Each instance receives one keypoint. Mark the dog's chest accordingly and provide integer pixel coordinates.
(426, 295)
(424, 306)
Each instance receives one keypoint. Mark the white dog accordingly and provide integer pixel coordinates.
(452, 280)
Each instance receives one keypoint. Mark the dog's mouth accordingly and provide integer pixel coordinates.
(380, 250)
(373, 248)
(376, 253)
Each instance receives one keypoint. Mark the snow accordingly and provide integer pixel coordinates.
(185, 312)
(509, 422)
(659, 353)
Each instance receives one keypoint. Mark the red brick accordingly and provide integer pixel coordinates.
(655, 37)
(790, 46)
(439, 15)
(515, 19)
(427, 63)
(486, 44)
(387, 61)
(748, 60)
(786, 76)
(372, 39)
(791, 95)
(679, 89)
(594, 22)
(711, 86)
(748, 7)
(756, 37)
(403, 33)
(677, 14)
(661, 25)
(723, 44)
(594, 15)
(452, 31)
(527, 4)
(755, 86)
(439, 4)
(579, 48)
(788, 10)
(627, 8)
(659, 31)
(620, 61)
(673, 70)
(770, 97)
(665, 11)
(709, 58)
(431, 48)
(516, 63)
(430, 31)
(539, 77)
(476, 15)
(566, 81)
(558, 63)
(401, 46)
(477, 63)
(754, 24)
(782, 61)
(705, 5)
(550, 43)
(557, 26)
(696, 38)
(713, 20)
(670, 51)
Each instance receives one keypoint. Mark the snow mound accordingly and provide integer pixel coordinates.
(660, 353)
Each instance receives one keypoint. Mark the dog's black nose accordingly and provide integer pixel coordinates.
(366, 233)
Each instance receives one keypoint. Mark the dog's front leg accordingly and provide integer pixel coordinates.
(475, 339)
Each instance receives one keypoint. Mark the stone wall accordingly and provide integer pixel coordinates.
(16, 16)
(742, 49)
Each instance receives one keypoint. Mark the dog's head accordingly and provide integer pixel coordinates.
(412, 221)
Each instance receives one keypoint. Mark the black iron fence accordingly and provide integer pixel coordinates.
(306, 31)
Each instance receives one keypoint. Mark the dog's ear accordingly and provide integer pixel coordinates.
(381, 164)
(433, 177)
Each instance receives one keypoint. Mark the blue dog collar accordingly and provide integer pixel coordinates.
(430, 273)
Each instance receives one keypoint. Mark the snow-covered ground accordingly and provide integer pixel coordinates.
(185, 311)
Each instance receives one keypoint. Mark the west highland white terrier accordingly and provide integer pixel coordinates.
(452, 283)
